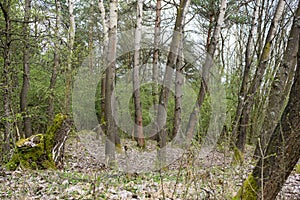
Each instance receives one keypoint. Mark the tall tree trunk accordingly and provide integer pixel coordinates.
(241, 131)
(138, 126)
(71, 38)
(280, 86)
(104, 64)
(171, 62)
(6, 79)
(282, 153)
(91, 35)
(205, 78)
(55, 62)
(156, 59)
(110, 79)
(178, 91)
(248, 63)
(26, 71)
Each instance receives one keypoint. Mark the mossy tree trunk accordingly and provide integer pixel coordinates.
(42, 151)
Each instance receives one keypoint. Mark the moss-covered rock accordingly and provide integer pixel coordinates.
(249, 189)
(35, 152)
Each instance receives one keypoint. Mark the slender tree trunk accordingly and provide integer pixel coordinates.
(156, 60)
(205, 78)
(246, 75)
(171, 62)
(110, 79)
(241, 131)
(71, 38)
(55, 64)
(104, 64)
(138, 126)
(280, 86)
(26, 71)
(282, 153)
(178, 92)
(91, 35)
(6, 80)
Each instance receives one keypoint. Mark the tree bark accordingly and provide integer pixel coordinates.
(178, 91)
(68, 73)
(282, 153)
(6, 79)
(171, 62)
(110, 79)
(280, 86)
(157, 31)
(26, 71)
(205, 78)
(104, 64)
(243, 122)
(91, 35)
(56, 62)
(246, 75)
(138, 126)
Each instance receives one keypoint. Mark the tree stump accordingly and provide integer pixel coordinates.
(42, 151)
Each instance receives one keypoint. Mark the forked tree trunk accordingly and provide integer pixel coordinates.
(138, 126)
(280, 86)
(205, 78)
(171, 62)
(282, 153)
(26, 71)
(241, 131)
(110, 79)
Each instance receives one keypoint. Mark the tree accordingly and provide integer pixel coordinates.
(55, 60)
(205, 71)
(239, 131)
(178, 91)
(156, 41)
(280, 86)
(282, 152)
(171, 63)
(138, 126)
(103, 61)
(26, 71)
(109, 84)
(68, 71)
(247, 69)
(6, 77)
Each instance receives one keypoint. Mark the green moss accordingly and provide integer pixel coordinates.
(249, 189)
(35, 152)
(297, 167)
(267, 50)
(51, 131)
(238, 156)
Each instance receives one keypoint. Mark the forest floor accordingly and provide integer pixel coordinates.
(85, 176)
